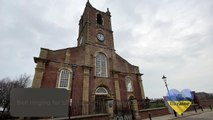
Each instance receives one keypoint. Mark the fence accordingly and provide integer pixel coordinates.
(123, 110)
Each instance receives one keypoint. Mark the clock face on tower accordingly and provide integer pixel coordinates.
(100, 37)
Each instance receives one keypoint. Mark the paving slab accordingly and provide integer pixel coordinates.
(206, 114)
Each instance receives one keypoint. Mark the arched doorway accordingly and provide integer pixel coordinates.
(100, 97)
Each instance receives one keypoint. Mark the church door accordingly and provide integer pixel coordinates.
(100, 99)
(100, 103)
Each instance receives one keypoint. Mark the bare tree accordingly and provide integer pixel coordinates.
(6, 85)
(22, 81)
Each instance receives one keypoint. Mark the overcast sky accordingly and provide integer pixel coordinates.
(171, 37)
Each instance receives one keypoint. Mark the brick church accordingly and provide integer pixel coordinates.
(92, 71)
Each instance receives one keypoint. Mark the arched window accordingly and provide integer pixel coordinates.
(64, 79)
(101, 91)
(99, 19)
(129, 86)
(101, 65)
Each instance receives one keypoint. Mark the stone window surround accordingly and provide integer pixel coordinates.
(69, 79)
(128, 81)
(106, 62)
(101, 91)
(101, 18)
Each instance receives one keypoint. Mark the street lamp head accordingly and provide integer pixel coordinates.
(164, 78)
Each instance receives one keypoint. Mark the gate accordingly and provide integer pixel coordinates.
(123, 110)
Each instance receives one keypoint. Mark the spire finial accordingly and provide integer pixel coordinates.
(108, 12)
(88, 3)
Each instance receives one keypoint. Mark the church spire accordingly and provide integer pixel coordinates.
(88, 3)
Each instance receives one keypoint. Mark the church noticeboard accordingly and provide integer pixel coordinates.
(39, 102)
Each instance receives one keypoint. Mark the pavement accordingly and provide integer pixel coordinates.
(206, 114)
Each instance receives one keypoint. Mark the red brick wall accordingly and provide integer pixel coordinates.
(77, 55)
(122, 85)
(206, 103)
(50, 76)
(77, 91)
(136, 85)
(51, 68)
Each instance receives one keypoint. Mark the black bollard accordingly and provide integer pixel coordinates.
(69, 114)
(201, 108)
(195, 109)
(210, 107)
(175, 113)
(150, 118)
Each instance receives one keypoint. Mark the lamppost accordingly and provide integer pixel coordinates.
(73, 66)
(165, 79)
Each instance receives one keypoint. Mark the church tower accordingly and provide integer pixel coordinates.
(95, 28)
(92, 71)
